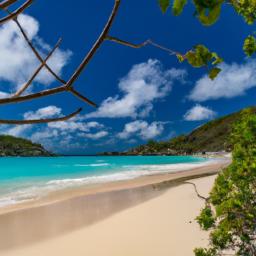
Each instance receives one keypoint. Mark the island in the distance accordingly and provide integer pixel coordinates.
(210, 137)
(12, 146)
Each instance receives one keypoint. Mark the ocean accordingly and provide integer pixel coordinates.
(25, 179)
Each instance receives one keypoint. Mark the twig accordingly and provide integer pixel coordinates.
(96, 46)
(36, 52)
(81, 97)
(119, 41)
(67, 86)
(138, 46)
(14, 14)
(45, 93)
(39, 121)
(6, 3)
(196, 190)
(37, 71)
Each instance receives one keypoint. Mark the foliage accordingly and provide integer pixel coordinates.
(178, 6)
(208, 12)
(201, 56)
(233, 197)
(12, 146)
(213, 73)
(206, 219)
(164, 4)
(250, 45)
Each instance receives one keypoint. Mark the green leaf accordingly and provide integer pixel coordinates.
(164, 4)
(217, 59)
(209, 16)
(178, 6)
(206, 218)
(249, 45)
(180, 57)
(205, 252)
(214, 73)
(246, 8)
(199, 56)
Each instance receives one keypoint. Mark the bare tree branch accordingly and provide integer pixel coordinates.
(6, 3)
(138, 46)
(81, 97)
(96, 46)
(119, 41)
(37, 71)
(36, 52)
(45, 93)
(40, 121)
(14, 14)
(67, 86)
(33, 95)
(196, 190)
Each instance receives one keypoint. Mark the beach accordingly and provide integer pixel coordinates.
(152, 215)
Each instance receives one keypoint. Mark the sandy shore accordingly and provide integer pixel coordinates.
(148, 216)
(55, 197)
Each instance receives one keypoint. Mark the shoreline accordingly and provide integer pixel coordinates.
(69, 212)
(139, 222)
(210, 168)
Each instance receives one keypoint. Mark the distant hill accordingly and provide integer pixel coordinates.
(211, 137)
(12, 146)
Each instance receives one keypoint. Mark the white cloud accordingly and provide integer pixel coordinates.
(4, 95)
(144, 84)
(73, 125)
(142, 129)
(46, 112)
(234, 80)
(54, 135)
(199, 113)
(95, 136)
(17, 61)
(17, 130)
(39, 136)
(23, 130)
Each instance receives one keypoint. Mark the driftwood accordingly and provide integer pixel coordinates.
(66, 86)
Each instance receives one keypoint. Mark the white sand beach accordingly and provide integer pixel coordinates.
(164, 225)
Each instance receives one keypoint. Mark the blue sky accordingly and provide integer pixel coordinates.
(142, 93)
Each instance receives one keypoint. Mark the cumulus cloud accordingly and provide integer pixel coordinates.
(139, 89)
(17, 61)
(42, 135)
(74, 125)
(199, 113)
(71, 134)
(24, 130)
(4, 95)
(234, 80)
(41, 113)
(95, 136)
(17, 130)
(142, 129)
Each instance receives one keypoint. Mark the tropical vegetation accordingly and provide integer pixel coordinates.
(230, 211)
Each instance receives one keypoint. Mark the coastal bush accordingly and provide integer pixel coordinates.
(230, 212)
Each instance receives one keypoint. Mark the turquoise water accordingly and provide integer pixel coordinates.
(23, 179)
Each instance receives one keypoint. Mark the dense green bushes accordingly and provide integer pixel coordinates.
(231, 210)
